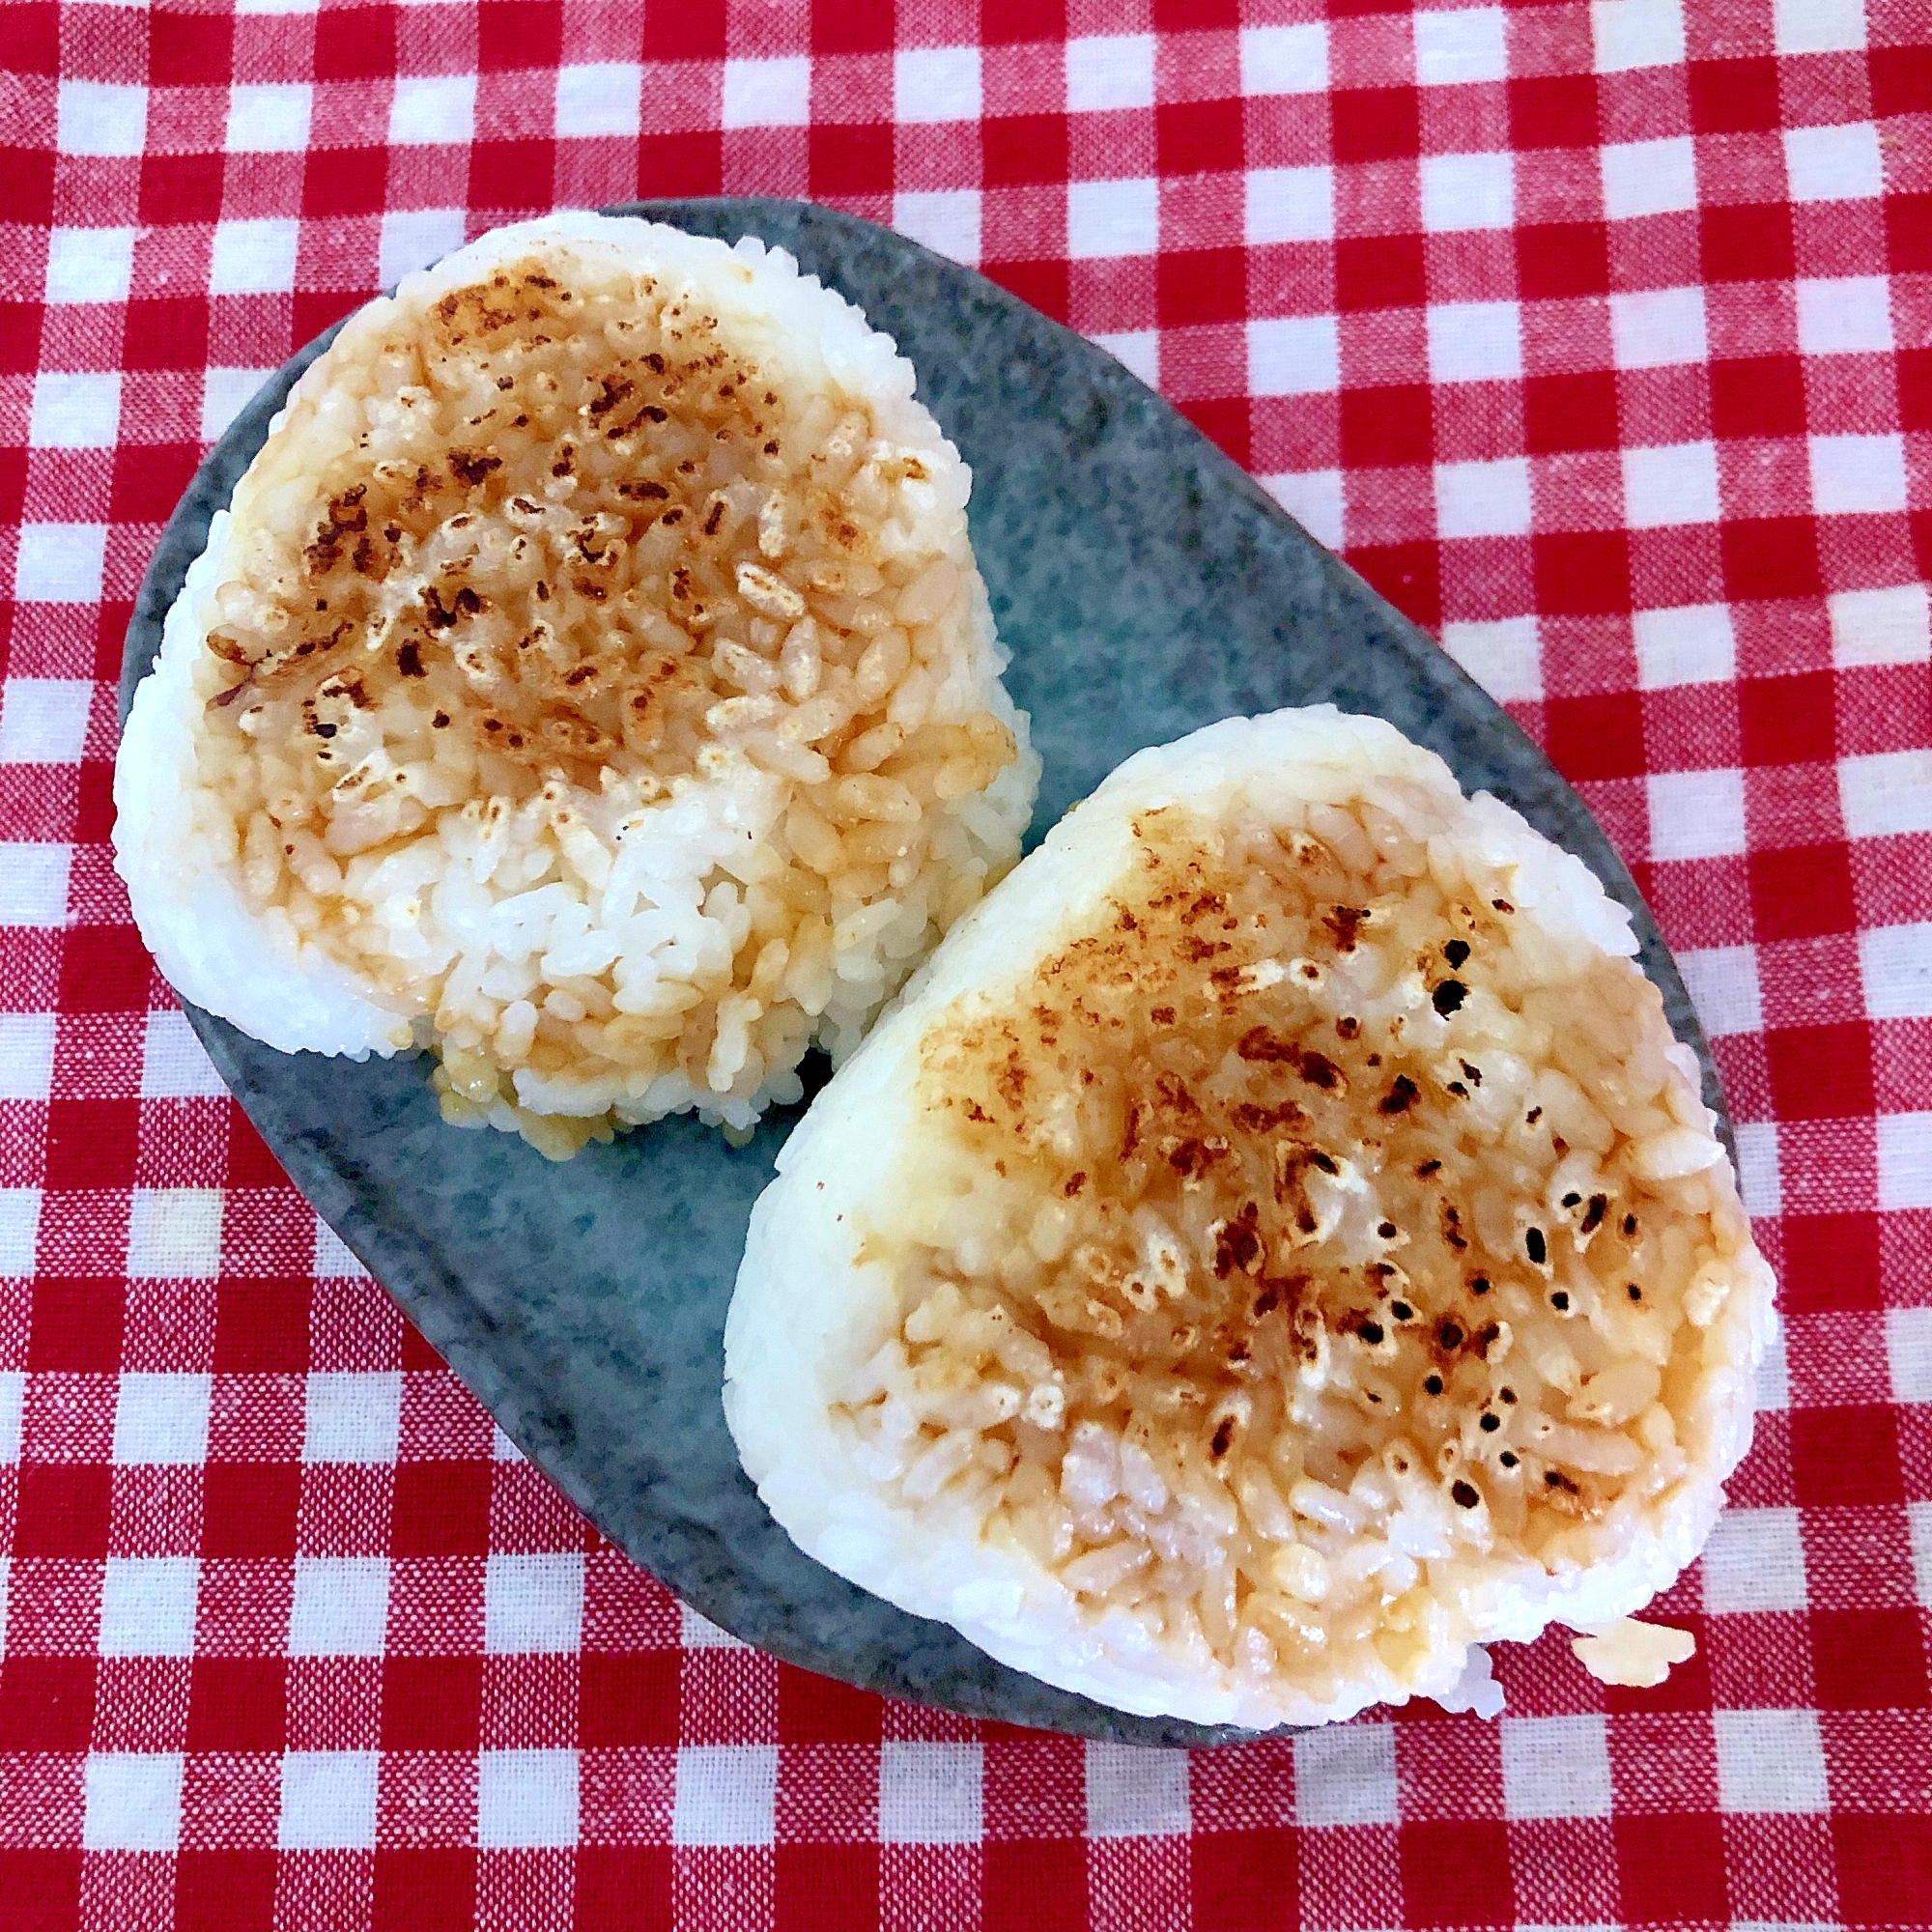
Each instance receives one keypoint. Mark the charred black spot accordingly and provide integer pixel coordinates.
(472, 466)
(1448, 997)
(1464, 1494)
(1456, 951)
(1402, 1096)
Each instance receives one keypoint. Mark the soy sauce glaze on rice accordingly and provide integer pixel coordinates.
(617, 704)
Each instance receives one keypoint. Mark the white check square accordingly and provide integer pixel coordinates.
(1556, 1767)
(1755, 1562)
(1845, 315)
(1657, 329)
(1904, 1161)
(1503, 655)
(174, 1064)
(60, 563)
(328, 1802)
(725, 1794)
(1313, 498)
(1895, 964)
(163, 1418)
(132, 1802)
(1724, 986)
(352, 1418)
(930, 1794)
(533, 1605)
(767, 93)
(1107, 70)
(600, 98)
(147, 1605)
(433, 110)
(525, 1799)
(1467, 191)
(1285, 60)
(33, 884)
(90, 265)
(1696, 814)
(74, 410)
(1294, 355)
(44, 722)
(1460, 44)
(1475, 342)
(945, 221)
(1636, 33)
(340, 1606)
(1773, 1372)
(413, 238)
(1836, 163)
(1857, 474)
(175, 1233)
(1134, 1792)
(1918, 1531)
(1760, 1183)
(270, 118)
(1483, 499)
(332, 1258)
(1691, 643)
(1817, 26)
(1649, 177)
(12, 1394)
(936, 84)
(1886, 792)
(224, 394)
(1770, 1761)
(1111, 217)
(103, 118)
(1675, 484)
(1288, 205)
(1139, 349)
(19, 1231)
(1908, 1342)
(253, 258)
(1346, 1775)
(697, 1631)
(1881, 627)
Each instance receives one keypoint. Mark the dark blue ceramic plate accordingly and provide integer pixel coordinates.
(1144, 586)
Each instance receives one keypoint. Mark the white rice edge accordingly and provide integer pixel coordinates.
(212, 949)
(801, 1318)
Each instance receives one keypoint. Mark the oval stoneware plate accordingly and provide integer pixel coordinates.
(1144, 586)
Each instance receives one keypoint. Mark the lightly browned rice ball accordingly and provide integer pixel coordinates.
(591, 681)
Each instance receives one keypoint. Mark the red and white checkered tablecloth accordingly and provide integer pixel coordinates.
(1597, 336)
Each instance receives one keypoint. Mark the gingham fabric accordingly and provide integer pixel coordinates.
(1597, 337)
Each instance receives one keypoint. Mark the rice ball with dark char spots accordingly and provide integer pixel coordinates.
(1275, 1248)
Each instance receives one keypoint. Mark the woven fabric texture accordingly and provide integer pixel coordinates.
(1597, 337)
